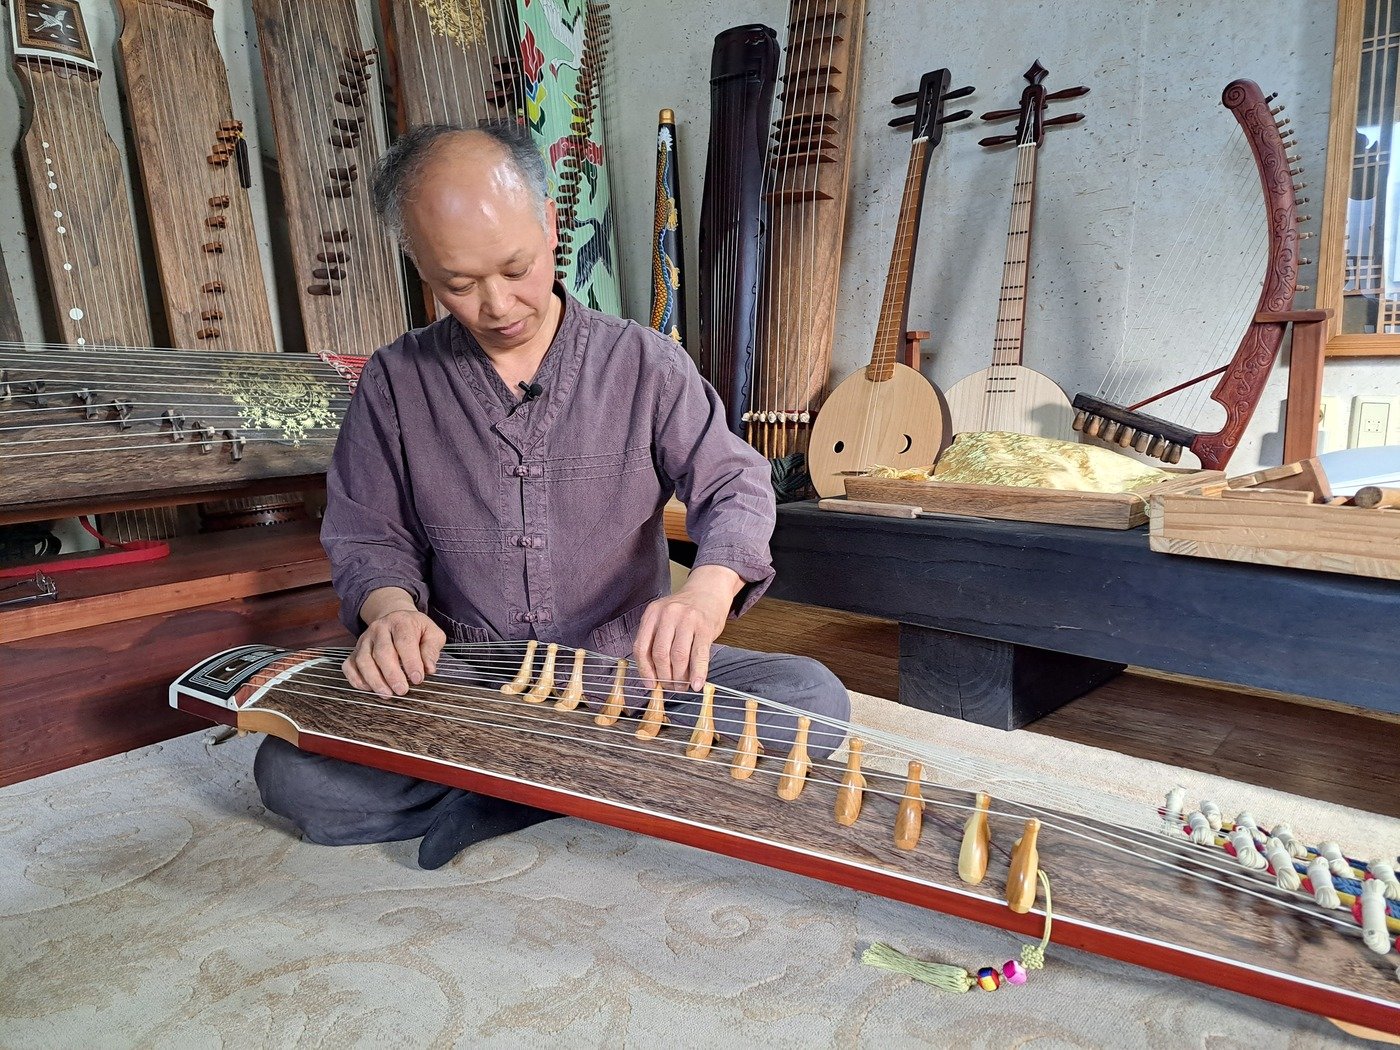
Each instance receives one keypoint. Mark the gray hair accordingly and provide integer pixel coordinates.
(396, 173)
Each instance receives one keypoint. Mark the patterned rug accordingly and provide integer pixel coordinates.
(149, 900)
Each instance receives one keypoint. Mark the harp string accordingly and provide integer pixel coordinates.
(1133, 842)
(1229, 199)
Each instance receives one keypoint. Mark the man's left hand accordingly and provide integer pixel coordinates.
(676, 632)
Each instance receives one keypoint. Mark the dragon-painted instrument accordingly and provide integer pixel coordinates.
(1114, 413)
(564, 730)
(806, 191)
(667, 242)
(888, 413)
(743, 71)
(194, 172)
(1009, 396)
(571, 39)
(77, 181)
(87, 426)
(321, 85)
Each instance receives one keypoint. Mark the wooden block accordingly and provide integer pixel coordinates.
(1373, 496)
(1099, 510)
(882, 510)
(1304, 476)
(1269, 495)
(989, 682)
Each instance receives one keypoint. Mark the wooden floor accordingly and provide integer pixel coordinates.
(1319, 751)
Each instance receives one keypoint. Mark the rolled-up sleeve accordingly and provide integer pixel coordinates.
(370, 532)
(722, 480)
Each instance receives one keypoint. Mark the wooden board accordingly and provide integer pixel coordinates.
(9, 316)
(81, 695)
(178, 102)
(77, 183)
(1200, 523)
(200, 570)
(1099, 510)
(323, 88)
(1137, 904)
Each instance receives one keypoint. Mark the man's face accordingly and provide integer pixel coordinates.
(481, 247)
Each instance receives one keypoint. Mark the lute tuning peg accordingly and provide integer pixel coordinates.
(961, 114)
(907, 118)
(1063, 93)
(904, 99)
(961, 92)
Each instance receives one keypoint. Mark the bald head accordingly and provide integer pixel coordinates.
(446, 173)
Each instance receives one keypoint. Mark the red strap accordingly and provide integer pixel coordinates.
(117, 554)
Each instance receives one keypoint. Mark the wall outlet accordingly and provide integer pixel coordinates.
(1332, 424)
(1375, 420)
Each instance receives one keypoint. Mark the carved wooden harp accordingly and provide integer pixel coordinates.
(1244, 375)
(743, 72)
(1121, 887)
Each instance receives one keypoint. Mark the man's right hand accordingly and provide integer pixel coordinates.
(398, 647)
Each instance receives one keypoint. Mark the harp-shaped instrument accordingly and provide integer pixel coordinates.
(560, 730)
(1114, 414)
(1008, 396)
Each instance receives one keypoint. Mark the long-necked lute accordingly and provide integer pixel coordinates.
(562, 729)
(1008, 395)
(888, 413)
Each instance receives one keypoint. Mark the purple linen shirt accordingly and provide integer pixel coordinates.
(509, 519)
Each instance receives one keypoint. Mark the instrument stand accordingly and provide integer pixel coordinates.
(989, 682)
(1307, 353)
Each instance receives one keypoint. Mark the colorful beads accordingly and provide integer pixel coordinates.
(1011, 970)
(988, 979)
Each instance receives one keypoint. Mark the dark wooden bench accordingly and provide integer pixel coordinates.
(1002, 622)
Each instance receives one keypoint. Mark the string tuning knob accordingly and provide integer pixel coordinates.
(1281, 124)
(1299, 186)
(1276, 110)
(1304, 262)
(1271, 97)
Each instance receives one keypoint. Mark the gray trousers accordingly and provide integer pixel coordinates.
(338, 803)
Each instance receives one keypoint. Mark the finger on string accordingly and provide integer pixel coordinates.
(353, 676)
(659, 650)
(385, 657)
(407, 639)
(699, 662)
(431, 647)
(368, 671)
(641, 648)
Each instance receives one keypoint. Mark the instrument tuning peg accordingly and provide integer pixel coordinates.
(996, 140)
(961, 114)
(1001, 114)
(1281, 124)
(904, 99)
(1302, 261)
(1304, 200)
(908, 118)
(1068, 118)
(1064, 93)
(962, 92)
(1302, 288)
(1271, 97)
(1305, 218)
(1276, 110)
(1307, 235)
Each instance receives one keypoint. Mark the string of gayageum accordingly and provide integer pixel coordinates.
(446, 705)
